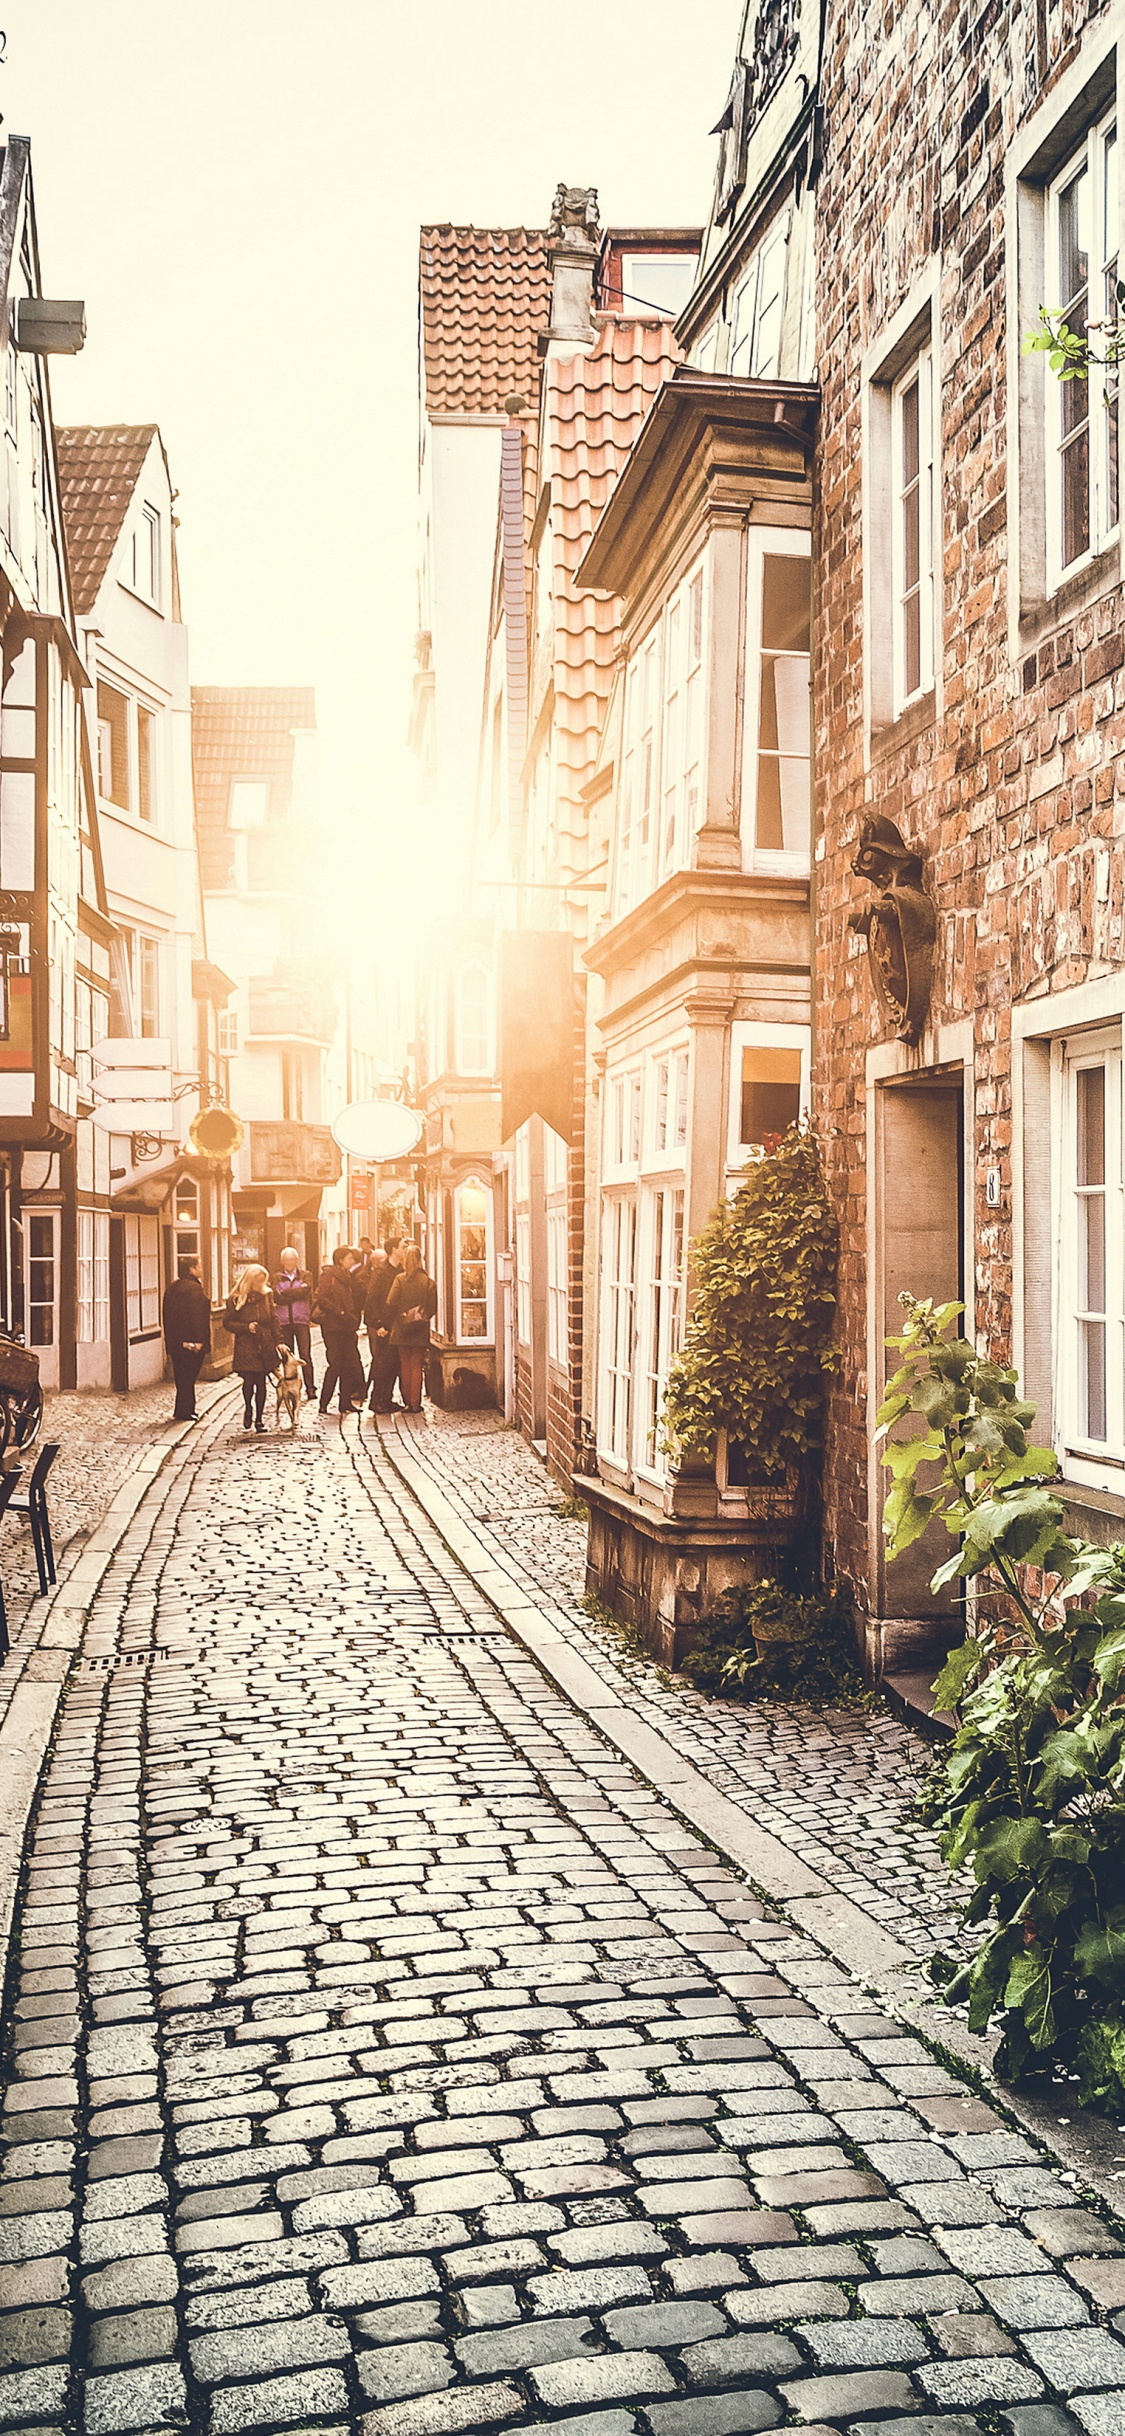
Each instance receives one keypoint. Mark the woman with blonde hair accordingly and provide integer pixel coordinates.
(251, 1316)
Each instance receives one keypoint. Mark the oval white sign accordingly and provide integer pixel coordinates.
(377, 1129)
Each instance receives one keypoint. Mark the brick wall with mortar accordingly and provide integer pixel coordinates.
(1016, 784)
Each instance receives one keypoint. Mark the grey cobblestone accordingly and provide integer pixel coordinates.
(478, 2094)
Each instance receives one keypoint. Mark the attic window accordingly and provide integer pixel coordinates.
(656, 283)
(145, 562)
(249, 803)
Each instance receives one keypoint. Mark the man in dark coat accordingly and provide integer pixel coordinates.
(336, 1312)
(187, 1334)
(384, 1358)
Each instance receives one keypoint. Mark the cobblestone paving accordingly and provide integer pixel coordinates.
(837, 1786)
(385, 2056)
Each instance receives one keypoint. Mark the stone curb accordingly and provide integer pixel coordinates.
(1089, 2149)
(28, 1721)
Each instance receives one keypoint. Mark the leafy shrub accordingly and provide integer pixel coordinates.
(757, 1347)
(1031, 1792)
(807, 1647)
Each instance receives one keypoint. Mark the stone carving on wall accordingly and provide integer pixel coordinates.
(772, 46)
(899, 925)
(574, 216)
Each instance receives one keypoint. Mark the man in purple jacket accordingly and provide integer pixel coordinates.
(292, 1290)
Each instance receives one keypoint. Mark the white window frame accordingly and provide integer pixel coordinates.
(919, 374)
(766, 542)
(659, 1300)
(558, 1298)
(522, 1249)
(619, 1268)
(41, 1226)
(478, 1184)
(1096, 1463)
(758, 318)
(142, 1275)
(790, 1036)
(624, 1104)
(1100, 391)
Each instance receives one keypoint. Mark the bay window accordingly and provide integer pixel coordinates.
(777, 750)
(473, 1208)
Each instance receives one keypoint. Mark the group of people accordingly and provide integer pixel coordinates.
(384, 1288)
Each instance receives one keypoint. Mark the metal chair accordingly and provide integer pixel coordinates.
(9, 1483)
(34, 1505)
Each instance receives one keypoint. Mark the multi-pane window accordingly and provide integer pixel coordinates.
(1092, 1382)
(228, 1032)
(557, 1242)
(669, 1102)
(779, 736)
(912, 454)
(186, 1219)
(42, 1276)
(755, 346)
(662, 1231)
(142, 1274)
(472, 1262)
(93, 1276)
(681, 753)
(1083, 499)
(619, 1257)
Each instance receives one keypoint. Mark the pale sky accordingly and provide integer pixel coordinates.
(235, 188)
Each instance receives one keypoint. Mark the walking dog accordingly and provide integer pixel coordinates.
(289, 1382)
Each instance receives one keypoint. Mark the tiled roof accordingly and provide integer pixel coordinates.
(99, 469)
(242, 731)
(594, 407)
(484, 298)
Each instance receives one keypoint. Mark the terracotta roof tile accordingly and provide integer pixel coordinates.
(594, 407)
(99, 469)
(241, 731)
(485, 296)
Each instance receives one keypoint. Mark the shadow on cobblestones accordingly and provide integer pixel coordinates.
(386, 2056)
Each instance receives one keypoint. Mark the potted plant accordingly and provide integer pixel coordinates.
(747, 1390)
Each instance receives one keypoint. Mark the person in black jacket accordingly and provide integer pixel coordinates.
(187, 1333)
(384, 1358)
(336, 1311)
(251, 1316)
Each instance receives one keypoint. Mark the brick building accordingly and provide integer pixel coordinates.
(968, 698)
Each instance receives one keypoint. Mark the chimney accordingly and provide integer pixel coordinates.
(573, 240)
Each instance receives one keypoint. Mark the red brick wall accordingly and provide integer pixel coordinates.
(1014, 787)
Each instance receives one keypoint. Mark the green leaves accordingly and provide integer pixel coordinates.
(758, 1345)
(1031, 1791)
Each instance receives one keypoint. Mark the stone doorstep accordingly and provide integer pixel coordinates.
(28, 1720)
(831, 1920)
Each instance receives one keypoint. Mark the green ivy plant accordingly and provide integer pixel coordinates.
(1071, 353)
(758, 1345)
(1031, 1791)
(767, 1642)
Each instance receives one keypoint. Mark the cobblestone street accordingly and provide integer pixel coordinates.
(386, 2054)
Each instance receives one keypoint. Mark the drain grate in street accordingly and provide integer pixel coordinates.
(128, 1657)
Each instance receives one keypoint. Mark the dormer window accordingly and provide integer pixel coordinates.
(248, 804)
(144, 563)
